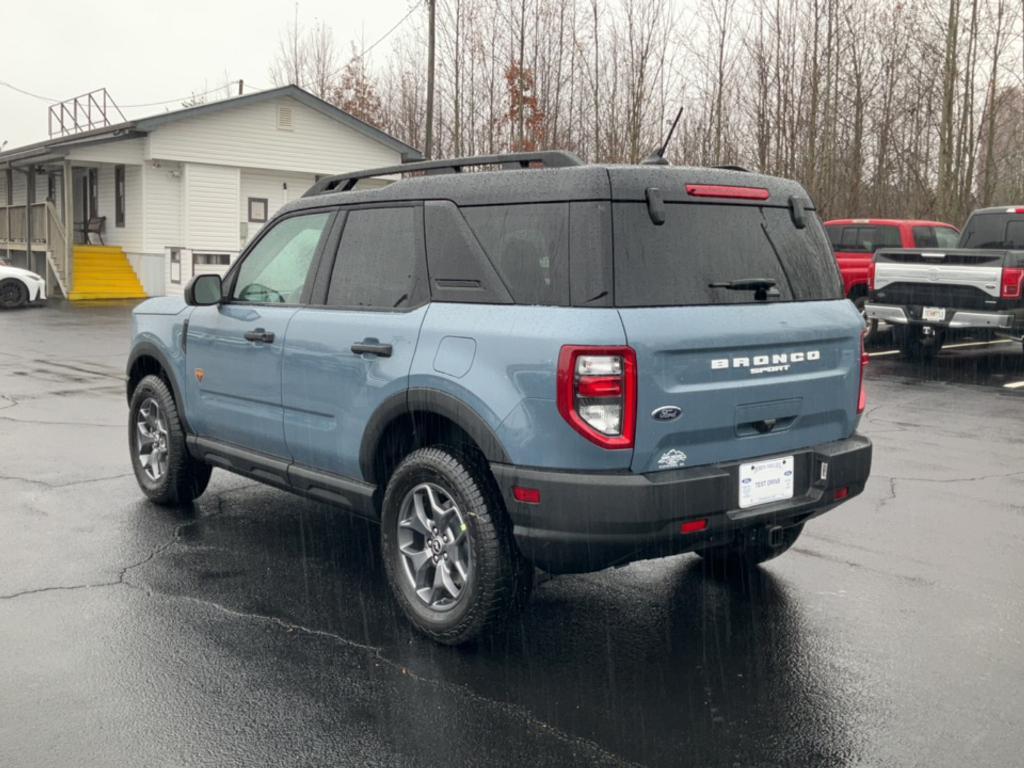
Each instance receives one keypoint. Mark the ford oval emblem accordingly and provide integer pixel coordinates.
(666, 413)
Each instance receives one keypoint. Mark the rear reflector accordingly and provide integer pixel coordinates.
(841, 493)
(736, 193)
(694, 526)
(526, 495)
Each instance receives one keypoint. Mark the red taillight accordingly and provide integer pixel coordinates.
(1015, 210)
(694, 526)
(841, 493)
(597, 393)
(871, 276)
(862, 398)
(717, 190)
(526, 495)
(1010, 288)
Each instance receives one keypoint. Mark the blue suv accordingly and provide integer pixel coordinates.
(539, 363)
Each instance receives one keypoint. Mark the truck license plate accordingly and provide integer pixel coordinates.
(762, 482)
(933, 314)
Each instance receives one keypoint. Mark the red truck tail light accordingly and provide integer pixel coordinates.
(597, 393)
(871, 276)
(862, 397)
(1010, 288)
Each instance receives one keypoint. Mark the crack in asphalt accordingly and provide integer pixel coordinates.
(47, 484)
(61, 423)
(944, 480)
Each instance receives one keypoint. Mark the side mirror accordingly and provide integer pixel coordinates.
(203, 291)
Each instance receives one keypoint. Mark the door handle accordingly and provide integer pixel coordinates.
(260, 334)
(371, 347)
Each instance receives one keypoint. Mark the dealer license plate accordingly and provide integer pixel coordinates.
(762, 482)
(933, 314)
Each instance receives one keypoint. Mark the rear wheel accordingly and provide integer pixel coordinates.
(870, 326)
(747, 553)
(448, 550)
(165, 471)
(13, 293)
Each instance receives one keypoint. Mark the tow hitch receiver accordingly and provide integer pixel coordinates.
(774, 536)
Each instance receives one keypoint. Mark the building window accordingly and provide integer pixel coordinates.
(176, 266)
(51, 187)
(211, 259)
(257, 209)
(119, 195)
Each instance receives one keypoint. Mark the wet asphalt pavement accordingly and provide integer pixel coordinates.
(255, 628)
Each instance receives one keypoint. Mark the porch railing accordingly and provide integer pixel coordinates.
(48, 235)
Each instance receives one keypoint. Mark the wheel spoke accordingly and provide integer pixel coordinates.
(447, 582)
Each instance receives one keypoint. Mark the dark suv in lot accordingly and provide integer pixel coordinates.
(540, 363)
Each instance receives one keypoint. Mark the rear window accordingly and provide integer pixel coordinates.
(673, 264)
(528, 246)
(864, 238)
(994, 230)
(936, 237)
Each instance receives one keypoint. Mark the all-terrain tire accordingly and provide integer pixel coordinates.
(747, 554)
(13, 294)
(184, 479)
(500, 578)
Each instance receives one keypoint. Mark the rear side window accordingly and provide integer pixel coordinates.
(993, 230)
(379, 258)
(674, 263)
(528, 246)
(936, 237)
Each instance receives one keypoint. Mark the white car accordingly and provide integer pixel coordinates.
(19, 287)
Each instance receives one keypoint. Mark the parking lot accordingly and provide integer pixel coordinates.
(256, 628)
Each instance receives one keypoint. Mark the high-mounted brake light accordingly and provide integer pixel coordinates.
(862, 397)
(597, 393)
(717, 190)
(1015, 210)
(1011, 283)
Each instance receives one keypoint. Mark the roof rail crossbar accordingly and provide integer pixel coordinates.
(514, 161)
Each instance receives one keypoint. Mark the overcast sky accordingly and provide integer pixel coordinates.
(144, 52)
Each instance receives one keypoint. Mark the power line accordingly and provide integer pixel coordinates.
(182, 98)
(382, 37)
(27, 93)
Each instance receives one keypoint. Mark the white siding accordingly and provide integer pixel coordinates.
(125, 151)
(247, 136)
(211, 208)
(162, 207)
(276, 187)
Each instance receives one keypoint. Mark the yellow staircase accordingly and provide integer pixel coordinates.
(103, 272)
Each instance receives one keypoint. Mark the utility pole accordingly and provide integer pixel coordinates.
(429, 148)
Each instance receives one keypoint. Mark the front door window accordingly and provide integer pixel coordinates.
(276, 269)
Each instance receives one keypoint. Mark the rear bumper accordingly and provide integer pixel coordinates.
(955, 318)
(588, 521)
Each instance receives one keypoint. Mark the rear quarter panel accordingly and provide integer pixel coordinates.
(502, 362)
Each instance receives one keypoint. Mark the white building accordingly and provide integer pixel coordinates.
(178, 193)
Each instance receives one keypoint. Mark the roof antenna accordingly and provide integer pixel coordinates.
(657, 157)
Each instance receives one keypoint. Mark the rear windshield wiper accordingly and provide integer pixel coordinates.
(763, 287)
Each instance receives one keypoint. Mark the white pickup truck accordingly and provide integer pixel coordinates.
(923, 293)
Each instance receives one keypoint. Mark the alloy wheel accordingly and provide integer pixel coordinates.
(434, 546)
(151, 439)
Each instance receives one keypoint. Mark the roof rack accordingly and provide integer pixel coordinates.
(513, 161)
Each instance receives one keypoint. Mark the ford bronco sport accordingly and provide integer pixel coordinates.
(567, 366)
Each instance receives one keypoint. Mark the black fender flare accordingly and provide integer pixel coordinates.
(148, 349)
(425, 400)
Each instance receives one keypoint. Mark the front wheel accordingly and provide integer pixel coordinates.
(750, 553)
(13, 293)
(447, 547)
(165, 471)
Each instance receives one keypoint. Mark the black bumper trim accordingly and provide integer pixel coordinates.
(589, 521)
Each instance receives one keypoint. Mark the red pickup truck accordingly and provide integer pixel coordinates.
(855, 241)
